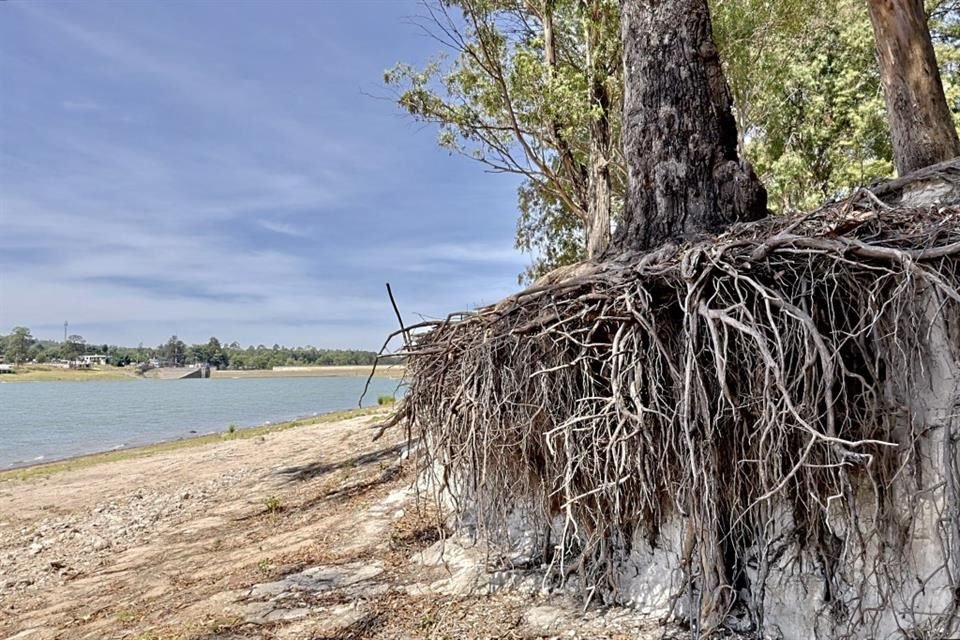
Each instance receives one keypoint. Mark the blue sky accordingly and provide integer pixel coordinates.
(226, 168)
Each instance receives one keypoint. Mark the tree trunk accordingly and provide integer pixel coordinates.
(920, 122)
(570, 167)
(679, 135)
(598, 194)
(599, 190)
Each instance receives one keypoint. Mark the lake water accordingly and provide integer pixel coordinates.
(42, 421)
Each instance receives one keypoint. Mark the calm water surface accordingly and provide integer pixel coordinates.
(41, 421)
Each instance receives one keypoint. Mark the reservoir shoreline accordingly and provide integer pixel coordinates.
(55, 420)
(21, 471)
(45, 373)
(146, 547)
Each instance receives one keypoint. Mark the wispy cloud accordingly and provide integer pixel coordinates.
(223, 96)
(413, 256)
(80, 105)
(283, 228)
(164, 174)
(501, 252)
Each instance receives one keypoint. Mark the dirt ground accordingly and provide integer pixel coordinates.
(313, 532)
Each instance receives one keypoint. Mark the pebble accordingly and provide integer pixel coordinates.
(83, 537)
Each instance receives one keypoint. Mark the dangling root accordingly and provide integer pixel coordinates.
(767, 371)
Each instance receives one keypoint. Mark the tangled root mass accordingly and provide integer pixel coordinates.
(768, 373)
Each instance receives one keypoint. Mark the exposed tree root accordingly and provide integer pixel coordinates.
(765, 376)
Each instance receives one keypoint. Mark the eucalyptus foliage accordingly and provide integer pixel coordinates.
(809, 103)
(802, 74)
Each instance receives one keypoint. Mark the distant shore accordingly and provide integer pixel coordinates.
(50, 373)
(46, 373)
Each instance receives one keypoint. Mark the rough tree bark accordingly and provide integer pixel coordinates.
(679, 135)
(920, 122)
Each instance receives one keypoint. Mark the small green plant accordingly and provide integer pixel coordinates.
(272, 505)
(264, 566)
(232, 429)
(126, 616)
(427, 622)
(383, 401)
(219, 625)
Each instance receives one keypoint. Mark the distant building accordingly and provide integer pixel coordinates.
(6, 368)
(92, 359)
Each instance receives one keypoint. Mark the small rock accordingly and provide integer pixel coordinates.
(35, 548)
(99, 544)
(545, 617)
(266, 590)
(278, 615)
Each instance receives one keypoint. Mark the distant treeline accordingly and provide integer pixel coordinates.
(20, 346)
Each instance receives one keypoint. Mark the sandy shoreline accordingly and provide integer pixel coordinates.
(307, 532)
(105, 549)
(384, 371)
(56, 465)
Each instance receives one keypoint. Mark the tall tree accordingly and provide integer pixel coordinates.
(602, 61)
(533, 90)
(174, 351)
(806, 94)
(803, 78)
(684, 176)
(921, 125)
(216, 356)
(18, 345)
(74, 346)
